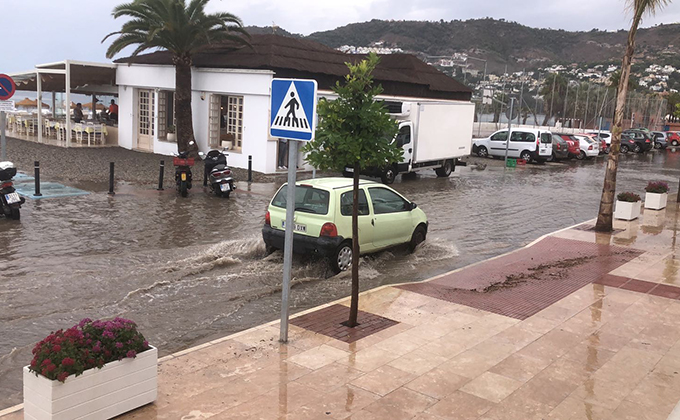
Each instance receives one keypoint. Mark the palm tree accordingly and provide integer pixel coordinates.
(605, 215)
(183, 30)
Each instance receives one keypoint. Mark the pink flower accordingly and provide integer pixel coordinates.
(45, 362)
(51, 368)
(119, 345)
(62, 376)
(56, 348)
(131, 354)
(67, 361)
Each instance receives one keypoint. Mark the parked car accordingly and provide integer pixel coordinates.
(660, 139)
(673, 137)
(642, 138)
(589, 148)
(528, 144)
(560, 149)
(604, 147)
(604, 135)
(323, 219)
(574, 148)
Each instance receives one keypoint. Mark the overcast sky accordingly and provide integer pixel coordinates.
(42, 31)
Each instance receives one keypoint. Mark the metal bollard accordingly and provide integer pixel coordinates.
(160, 176)
(37, 179)
(678, 199)
(250, 168)
(111, 179)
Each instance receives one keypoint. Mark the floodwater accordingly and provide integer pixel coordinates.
(190, 270)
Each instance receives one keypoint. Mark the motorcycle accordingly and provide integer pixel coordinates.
(10, 201)
(183, 164)
(217, 173)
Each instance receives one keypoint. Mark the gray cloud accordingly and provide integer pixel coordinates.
(41, 31)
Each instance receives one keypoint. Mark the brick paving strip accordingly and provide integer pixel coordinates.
(525, 282)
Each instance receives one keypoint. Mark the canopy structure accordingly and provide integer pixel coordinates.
(30, 103)
(67, 76)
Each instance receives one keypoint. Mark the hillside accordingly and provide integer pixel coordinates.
(502, 42)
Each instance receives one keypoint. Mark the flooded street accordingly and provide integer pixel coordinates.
(190, 270)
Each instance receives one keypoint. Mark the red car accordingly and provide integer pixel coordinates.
(672, 138)
(573, 143)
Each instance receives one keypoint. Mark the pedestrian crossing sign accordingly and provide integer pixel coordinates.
(293, 109)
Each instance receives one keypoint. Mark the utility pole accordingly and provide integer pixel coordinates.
(564, 112)
(552, 96)
(521, 97)
(585, 114)
(507, 140)
(578, 87)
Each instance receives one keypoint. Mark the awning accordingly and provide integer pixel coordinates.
(86, 78)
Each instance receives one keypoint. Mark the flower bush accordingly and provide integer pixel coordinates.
(657, 187)
(84, 346)
(628, 196)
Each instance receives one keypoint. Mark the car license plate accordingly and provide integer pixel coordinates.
(350, 170)
(298, 227)
(225, 187)
(12, 198)
(184, 176)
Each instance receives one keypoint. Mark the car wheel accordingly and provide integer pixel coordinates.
(482, 152)
(445, 170)
(551, 158)
(674, 143)
(15, 214)
(389, 175)
(417, 238)
(342, 258)
(657, 145)
(269, 250)
(526, 155)
(637, 148)
(581, 155)
(624, 148)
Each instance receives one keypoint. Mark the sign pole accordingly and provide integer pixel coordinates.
(507, 140)
(3, 140)
(288, 239)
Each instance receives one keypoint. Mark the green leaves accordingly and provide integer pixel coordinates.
(173, 25)
(354, 127)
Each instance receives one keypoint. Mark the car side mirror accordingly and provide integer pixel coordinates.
(412, 206)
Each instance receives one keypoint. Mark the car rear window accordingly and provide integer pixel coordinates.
(307, 199)
(546, 138)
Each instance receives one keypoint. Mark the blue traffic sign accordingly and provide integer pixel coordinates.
(293, 109)
(7, 87)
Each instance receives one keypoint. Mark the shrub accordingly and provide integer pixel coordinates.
(628, 196)
(84, 346)
(659, 187)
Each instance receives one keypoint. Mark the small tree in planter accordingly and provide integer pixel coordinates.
(627, 206)
(109, 359)
(656, 195)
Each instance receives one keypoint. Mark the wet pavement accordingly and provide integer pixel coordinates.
(191, 270)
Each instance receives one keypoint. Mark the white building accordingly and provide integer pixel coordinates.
(231, 93)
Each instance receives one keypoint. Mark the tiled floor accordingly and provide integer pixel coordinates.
(608, 349)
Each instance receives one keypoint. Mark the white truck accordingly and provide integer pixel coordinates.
(433, 135)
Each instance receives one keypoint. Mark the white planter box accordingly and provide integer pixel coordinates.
(626, 210)
(655, 201)
(116, 388)
(171, 137)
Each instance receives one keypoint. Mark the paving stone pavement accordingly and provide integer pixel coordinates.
(601, 342)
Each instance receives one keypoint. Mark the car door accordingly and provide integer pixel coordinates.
(366, 223)
(405, 142)
(391, 218)
(497, 143)
(520, 141)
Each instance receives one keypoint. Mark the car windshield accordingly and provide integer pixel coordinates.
(307, 199)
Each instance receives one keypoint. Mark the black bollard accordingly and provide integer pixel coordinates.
(37, 179)
(111, 179)
(250, 168)
(160, 176)
(678, 199)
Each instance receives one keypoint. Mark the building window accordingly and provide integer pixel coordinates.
(226, 121)
(166, 115)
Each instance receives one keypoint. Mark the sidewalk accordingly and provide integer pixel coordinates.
(578, 325)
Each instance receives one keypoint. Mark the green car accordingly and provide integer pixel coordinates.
(323, 219)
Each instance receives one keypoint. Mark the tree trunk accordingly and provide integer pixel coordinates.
(183, 112)
(354, 305)
(606, 214)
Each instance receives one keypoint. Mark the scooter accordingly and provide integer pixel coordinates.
(10, 201)
(183, 164)
(217, 173)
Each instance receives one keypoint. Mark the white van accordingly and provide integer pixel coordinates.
(525, 143)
